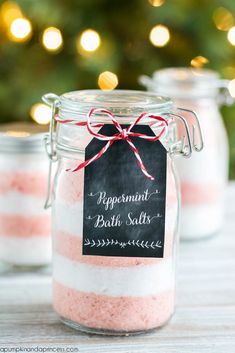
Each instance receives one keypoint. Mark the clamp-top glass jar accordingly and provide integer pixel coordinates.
(204, 177)
(25, 226)
(110, 293)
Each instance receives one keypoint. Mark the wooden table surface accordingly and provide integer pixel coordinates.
(204, 320)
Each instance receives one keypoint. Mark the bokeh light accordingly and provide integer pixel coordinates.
(231, 88)
(107, 81)
(199, 61)
(223, 19)
(17, 133)
(52, 39)
(41, 113)
(231, 35)
(159, 36)
(89, 40)
(20, 30)
(9, 11)
(156, 3)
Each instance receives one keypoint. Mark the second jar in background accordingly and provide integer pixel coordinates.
(25, 227)
(204, 176)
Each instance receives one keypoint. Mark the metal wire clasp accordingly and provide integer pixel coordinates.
(184, 146)
(191, 140)
(196, 130)
(53, 101)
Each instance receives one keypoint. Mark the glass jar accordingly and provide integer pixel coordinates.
(204, 177)
(108, 294)
(25, 227)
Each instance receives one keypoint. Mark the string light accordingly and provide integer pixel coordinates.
(9, 11)
(231, 88)
(156, 3)
(199, 61)
(89, 40)
(107, 80)
(52, 39)
(231, 35)
(41, 113)
(223, 19)
(20, 30)
(159, 36)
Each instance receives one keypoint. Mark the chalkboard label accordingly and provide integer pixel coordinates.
(124, 212)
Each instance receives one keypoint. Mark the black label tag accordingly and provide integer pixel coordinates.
(124, 212)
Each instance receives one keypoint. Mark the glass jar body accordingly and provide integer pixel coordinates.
(103, 294)
(204, 177)
(25, 227)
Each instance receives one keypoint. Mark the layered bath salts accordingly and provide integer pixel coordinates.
(25, 226)
(114, 210)
(103, 292)
(204, 177)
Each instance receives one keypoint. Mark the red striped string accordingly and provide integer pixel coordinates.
(122, 134)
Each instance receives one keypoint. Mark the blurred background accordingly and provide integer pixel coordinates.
(63, 45)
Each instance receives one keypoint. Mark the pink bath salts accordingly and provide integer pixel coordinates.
(171, 189)
(113, 313)
(200, 193)
(70, 246)
(24, 182)
(70, 184)
(25, 226)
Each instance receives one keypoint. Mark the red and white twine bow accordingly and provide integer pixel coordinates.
(122, 134)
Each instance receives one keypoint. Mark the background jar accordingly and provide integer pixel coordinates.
(106, 294)
(25, 226)
(204, 177)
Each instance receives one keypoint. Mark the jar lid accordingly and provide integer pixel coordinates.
(125, 105)
(185, 82)
(22, 138)
(122, 103)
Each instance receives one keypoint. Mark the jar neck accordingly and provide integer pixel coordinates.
(74, 110)
(73, 137)
(123, 104)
